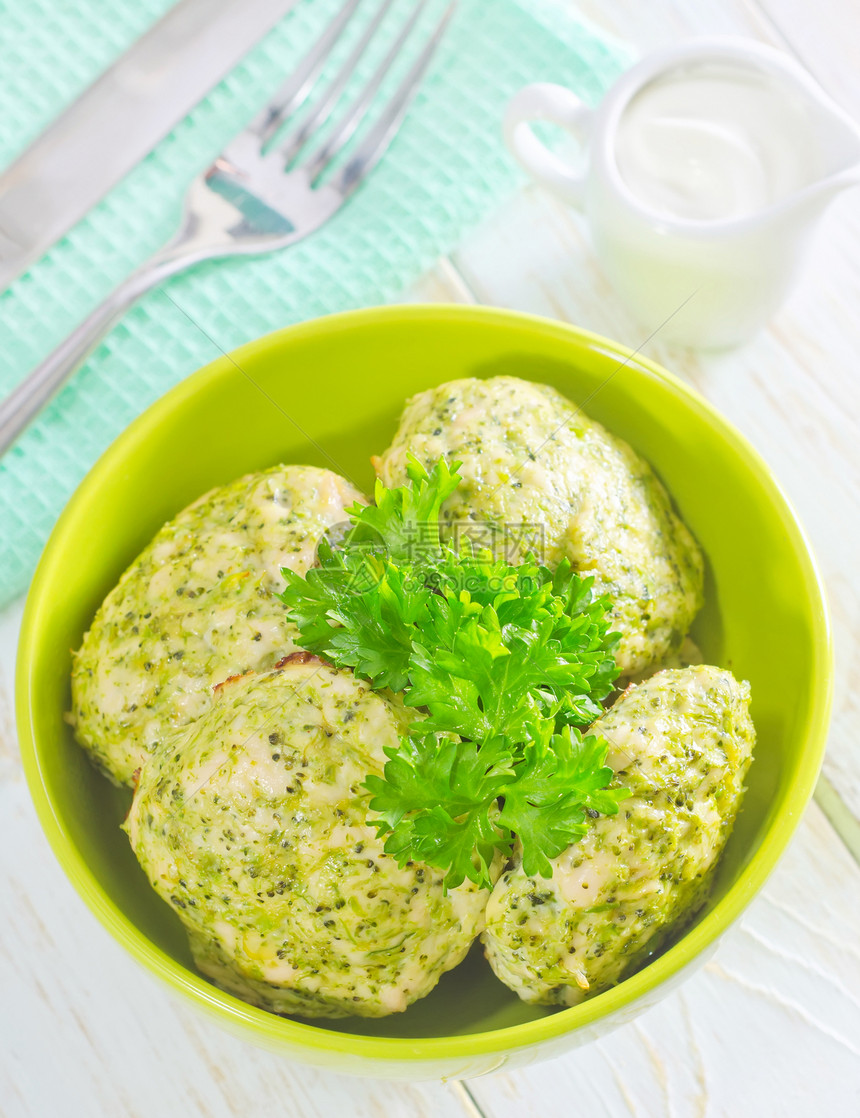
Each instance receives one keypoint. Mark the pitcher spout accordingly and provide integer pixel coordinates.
(822, 193)
(838, 155)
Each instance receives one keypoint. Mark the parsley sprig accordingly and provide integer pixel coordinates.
(506, 662)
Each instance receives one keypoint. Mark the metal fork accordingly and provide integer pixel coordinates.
(262, 193)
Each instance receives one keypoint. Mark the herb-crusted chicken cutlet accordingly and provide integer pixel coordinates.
(196, 606)
(253, 825)
(556, 482)
(681, 742)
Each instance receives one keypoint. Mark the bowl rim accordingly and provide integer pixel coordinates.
(272, 1030)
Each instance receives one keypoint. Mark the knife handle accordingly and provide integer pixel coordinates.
(25, 402)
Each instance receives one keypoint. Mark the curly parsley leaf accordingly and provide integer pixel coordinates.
(360, 611)
(558, 784)
(403, 523)
(438, 802)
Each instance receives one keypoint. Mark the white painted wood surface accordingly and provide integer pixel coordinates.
(771, 1026)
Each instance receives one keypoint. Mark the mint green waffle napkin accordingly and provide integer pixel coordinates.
(445, 171)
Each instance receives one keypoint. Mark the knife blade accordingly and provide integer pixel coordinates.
(120, 118)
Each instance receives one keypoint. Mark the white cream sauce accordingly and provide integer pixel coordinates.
(715, 142)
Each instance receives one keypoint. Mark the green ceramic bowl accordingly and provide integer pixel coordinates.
(329, 393)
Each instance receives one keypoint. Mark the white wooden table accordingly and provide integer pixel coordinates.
(771, 1026)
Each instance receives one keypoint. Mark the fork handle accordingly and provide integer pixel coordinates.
(25, 402)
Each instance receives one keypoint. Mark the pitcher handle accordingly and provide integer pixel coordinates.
(558, 105)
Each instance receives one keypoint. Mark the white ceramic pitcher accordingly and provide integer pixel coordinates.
(709, 283)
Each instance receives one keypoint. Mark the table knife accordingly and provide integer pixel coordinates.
(120, 118)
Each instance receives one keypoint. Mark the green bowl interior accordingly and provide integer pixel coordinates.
(329, 393)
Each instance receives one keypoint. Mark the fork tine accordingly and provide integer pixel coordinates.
(375, 144)
(296, 89)
(319, 112)
(352, 117)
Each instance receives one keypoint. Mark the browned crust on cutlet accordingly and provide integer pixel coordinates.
(228, 680)
(300, 657)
